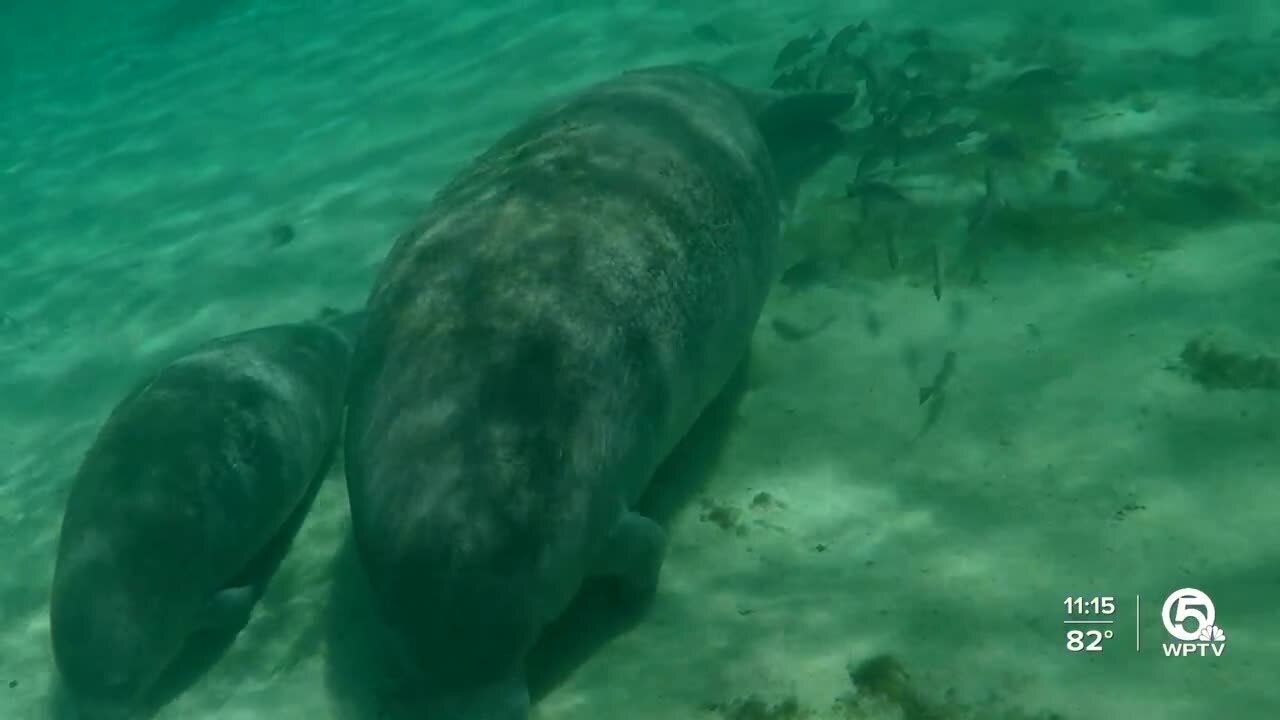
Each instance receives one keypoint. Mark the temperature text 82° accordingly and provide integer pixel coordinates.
(1087, 640)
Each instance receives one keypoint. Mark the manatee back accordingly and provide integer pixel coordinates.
(632, 226)
(190, 477)
(566, 308)
(228, 437)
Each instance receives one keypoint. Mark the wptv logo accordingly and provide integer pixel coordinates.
(1188, 615)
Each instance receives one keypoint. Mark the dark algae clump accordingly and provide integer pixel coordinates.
(1216, 369)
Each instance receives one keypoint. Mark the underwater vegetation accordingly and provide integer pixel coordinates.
(730, 518)
(755, 708)
(1214, 368)
(881, 689)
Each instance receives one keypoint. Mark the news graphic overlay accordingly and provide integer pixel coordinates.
(1089, 622)
(1190, 618)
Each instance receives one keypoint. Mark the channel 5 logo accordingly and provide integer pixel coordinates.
(1188, 615)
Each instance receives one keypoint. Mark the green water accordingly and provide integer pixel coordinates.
(175, 171)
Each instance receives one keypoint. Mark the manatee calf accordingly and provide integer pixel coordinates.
(537, 345)
(187, 484)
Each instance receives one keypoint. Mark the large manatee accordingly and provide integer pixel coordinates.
(535, 347)
(187, 484)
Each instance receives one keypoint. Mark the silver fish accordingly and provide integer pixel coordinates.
(935, 388)
(937, 271)
(982, 211)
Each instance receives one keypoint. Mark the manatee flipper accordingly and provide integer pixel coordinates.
(634, 553)
(229, 608)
